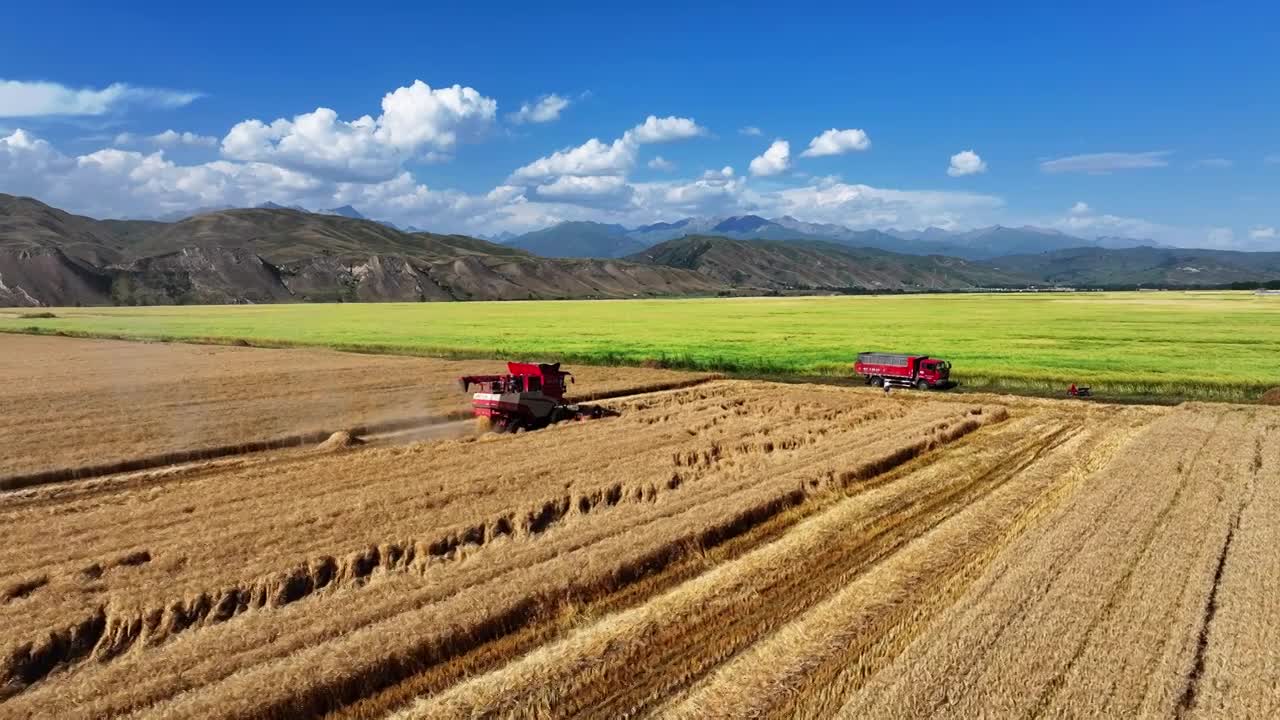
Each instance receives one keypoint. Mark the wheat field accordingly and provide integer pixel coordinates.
(71, 402)
(729, 549)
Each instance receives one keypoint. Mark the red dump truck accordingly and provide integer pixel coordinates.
(889, 369)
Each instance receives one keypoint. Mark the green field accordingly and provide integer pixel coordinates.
(1194, 345)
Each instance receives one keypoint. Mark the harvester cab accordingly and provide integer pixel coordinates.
(528, 397)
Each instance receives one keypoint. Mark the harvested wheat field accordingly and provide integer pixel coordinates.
(732, 549)
(71, 403)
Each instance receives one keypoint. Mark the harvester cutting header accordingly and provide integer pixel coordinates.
(528, 397)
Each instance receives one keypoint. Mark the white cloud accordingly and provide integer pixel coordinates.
(1263, 233)
(1215, 162)
(713, 194)
(966, 162)
(605, 190)
(837, 142)
(1102, 163)
(546, 109)
(35, 99)
(114, 183)
(173, 138)
(416, 115)
(774, 160)
(750, 131)
(416, 121)
(167, 139)
(590, 158)
(27, 162)
(598, 158)
(122, 182)
(862, 206)
(661, 164)
(659, 130)
(1082, 220)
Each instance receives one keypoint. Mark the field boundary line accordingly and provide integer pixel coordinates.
(1138, 391)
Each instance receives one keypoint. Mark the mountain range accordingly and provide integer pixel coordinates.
(813, 265)
(279, 254)
(51, 257)
(587, 239)
(591, 239)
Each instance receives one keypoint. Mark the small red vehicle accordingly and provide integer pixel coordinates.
(1079, 391)
(528, 397)
(889, 369)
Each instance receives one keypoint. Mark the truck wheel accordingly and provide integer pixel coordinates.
(922, 385)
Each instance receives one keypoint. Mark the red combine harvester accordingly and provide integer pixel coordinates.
(529, 397)
(919, 371)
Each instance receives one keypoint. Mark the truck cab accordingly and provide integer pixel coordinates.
(934, 371)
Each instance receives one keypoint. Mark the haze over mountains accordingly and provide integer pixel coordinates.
(278, 254)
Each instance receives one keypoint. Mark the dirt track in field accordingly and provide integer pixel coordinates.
(734, 549)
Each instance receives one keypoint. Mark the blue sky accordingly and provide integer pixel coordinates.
(1149, 120)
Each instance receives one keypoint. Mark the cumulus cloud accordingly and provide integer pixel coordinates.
(862, 206)
(416, 121)
(660, 130)
(545, 109)
(167, 139)
(113, 182)
(599, 158)
(27, 162)
(590, 158)
(661, 164)
(36, 99)
(600, 191)
(837, 142)
(1080, 208)
(1103, 163)
(966, 162)
(750, 131)
(713, 194)
(1263, 232)
(774, 160)
(119, 182)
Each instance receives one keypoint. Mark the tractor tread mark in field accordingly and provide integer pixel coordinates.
(1190, 694)
(809, 585)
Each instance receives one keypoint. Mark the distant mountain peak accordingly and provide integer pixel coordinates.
(345, 211)
(269, 205)
(742, 223)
